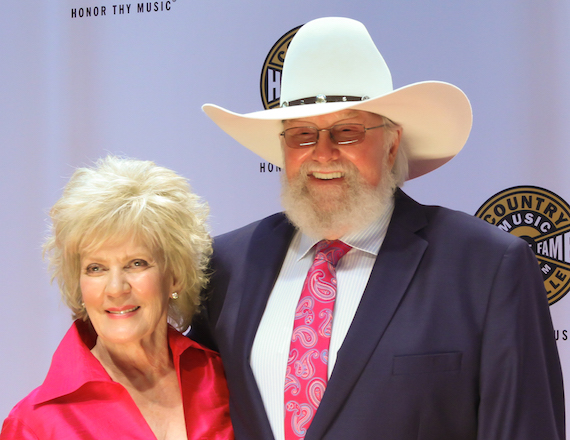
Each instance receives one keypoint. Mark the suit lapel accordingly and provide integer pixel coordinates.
(393, 271)
(264, 257)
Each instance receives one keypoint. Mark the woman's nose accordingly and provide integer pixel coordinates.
(117, 283)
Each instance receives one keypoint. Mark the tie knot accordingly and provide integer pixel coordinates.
(331, 250)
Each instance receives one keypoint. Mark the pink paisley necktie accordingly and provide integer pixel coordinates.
(306, 377)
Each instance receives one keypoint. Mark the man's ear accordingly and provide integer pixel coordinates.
(393, 151)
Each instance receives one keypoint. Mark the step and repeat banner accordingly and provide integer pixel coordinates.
(81, 79)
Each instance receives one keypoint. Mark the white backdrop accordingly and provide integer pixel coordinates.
(73, 89)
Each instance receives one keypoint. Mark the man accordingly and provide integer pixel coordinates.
(440, 325)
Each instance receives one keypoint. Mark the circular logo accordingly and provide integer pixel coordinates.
(542, 219)
(270, 83)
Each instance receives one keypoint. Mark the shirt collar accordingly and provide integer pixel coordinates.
(368, 240)
(73, 365)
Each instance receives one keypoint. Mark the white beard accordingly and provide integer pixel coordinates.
(338, 211)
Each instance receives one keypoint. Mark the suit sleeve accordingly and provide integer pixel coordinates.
(521, 387)
(200, 327)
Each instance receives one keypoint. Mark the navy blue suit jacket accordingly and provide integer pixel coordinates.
(452, 339)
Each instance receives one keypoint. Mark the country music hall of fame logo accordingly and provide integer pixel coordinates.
(542, 219)
(270, 83)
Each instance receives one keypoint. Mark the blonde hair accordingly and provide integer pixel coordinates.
(121, 198)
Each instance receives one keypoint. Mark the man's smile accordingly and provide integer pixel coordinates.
(327, 176)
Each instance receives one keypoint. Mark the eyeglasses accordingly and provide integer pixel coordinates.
(341, 134)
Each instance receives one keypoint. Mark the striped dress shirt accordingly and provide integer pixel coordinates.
(271, 345)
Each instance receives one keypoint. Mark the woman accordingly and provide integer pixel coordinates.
(129, 247)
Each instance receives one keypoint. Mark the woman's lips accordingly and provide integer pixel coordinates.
(122, 310)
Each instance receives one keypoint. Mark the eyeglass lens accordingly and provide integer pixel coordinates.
(341, 134)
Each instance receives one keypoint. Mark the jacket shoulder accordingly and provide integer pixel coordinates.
(451, 225)
(256, 230)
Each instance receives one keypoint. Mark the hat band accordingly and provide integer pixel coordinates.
(321, 99)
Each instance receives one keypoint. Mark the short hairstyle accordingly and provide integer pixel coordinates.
(128, 198)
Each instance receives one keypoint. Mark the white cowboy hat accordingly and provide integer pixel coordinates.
(332, 64)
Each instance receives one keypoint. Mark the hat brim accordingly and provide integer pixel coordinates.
(436, 119)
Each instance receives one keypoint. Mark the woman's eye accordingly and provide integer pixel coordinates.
(93, 268)
(139, 263)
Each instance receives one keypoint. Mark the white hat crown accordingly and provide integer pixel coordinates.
(334, 57)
